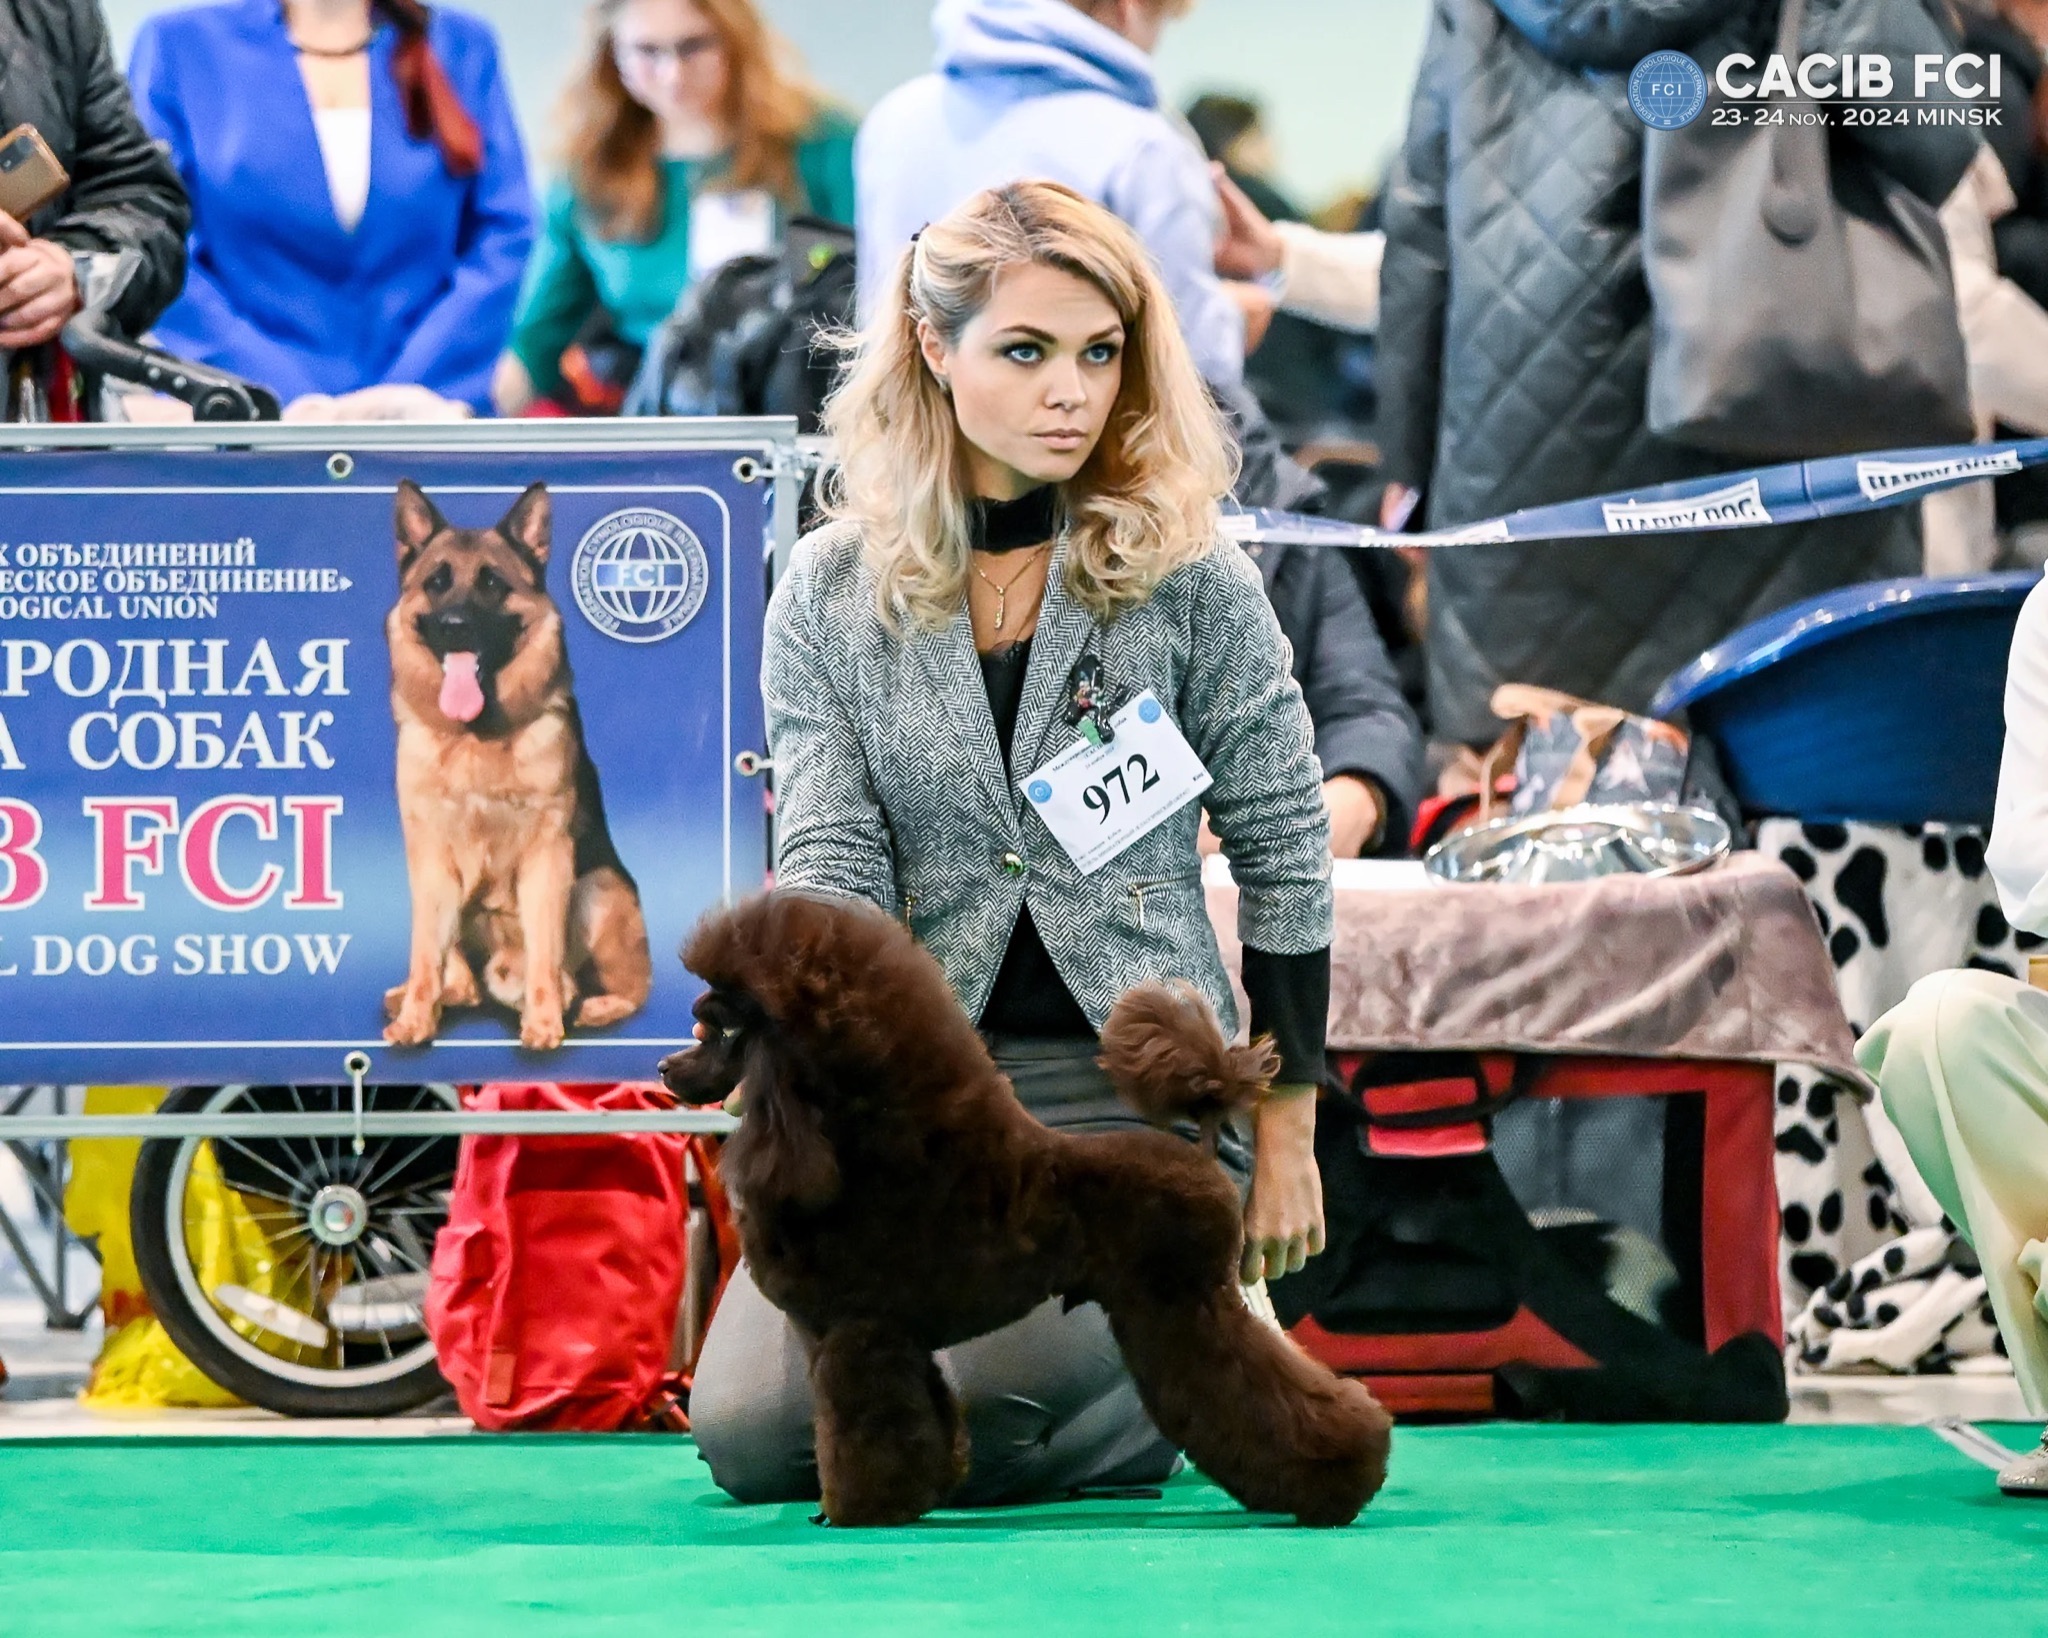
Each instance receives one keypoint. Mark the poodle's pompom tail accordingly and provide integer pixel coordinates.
(1167, 1057)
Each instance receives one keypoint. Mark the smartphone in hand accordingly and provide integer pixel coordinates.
(30, 176)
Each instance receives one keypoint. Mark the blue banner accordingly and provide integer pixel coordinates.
(1795, 492)
(428, 754)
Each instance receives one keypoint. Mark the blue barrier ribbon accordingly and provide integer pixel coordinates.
(1758, 497)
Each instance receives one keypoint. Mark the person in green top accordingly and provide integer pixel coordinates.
(691, 139)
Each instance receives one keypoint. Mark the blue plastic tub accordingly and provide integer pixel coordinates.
(1882, 702)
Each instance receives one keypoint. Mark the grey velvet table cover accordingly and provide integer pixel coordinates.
(1726, 965)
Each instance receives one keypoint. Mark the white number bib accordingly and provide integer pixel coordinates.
(1099, 799)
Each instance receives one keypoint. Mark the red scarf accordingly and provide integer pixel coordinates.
(432, 108)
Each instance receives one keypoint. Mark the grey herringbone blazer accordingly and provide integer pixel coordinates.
(890, 784)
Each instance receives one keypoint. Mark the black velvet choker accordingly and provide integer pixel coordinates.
(1008, 526)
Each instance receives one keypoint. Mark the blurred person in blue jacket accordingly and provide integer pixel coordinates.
(360, 211)
(1061, 90)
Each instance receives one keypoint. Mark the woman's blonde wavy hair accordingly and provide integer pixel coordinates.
(1143, 505)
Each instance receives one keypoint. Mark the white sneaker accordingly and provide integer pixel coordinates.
(2029, 1475)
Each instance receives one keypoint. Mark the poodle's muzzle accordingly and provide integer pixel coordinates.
(708, 1072)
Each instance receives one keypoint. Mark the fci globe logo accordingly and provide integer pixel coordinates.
(639, 575)
(1667, 90)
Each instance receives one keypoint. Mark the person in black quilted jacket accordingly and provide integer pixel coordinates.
(1515, 345)
(2016, 30)
(124, 195)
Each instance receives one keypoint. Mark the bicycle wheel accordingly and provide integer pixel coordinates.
(293, 1271)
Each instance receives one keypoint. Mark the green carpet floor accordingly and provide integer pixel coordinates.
(1864, 1531)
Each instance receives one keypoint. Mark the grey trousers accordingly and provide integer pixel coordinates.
(1048, 1404)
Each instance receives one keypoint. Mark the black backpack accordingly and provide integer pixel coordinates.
(749, 339)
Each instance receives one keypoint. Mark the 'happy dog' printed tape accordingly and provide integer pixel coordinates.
(1795, 492)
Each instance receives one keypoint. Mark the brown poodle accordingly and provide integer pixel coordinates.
(894, 1198)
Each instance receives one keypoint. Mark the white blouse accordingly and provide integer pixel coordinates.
(344, 135)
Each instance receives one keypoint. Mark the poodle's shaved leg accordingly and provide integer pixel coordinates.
(1253, 1412)
(891, 1441)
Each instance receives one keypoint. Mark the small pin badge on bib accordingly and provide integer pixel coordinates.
(1089, 704)
(1039, 792)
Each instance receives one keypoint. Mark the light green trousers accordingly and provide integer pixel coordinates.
(1962, 1064)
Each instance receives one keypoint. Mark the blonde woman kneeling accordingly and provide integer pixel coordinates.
(1026, 557)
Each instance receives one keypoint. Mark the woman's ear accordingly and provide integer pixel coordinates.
(933, 347)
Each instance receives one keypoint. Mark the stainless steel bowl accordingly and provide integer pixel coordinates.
(1584, 843)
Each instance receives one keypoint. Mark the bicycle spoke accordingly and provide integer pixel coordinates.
(408, 1240)
(430, 1196)
(410, 1263)
(261, 1194)
(432, 1190)
(365, 1272)
(370, 1183)
(295, 1220)
(320, 1165)
(311, 1258)
(240, 1148)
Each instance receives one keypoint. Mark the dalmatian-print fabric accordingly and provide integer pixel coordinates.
(1917, 1306)
(1894, 904)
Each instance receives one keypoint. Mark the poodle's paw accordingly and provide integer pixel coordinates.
(891, 1441)
(874, 1512)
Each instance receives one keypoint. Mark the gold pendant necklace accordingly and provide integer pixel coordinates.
(1002, 590)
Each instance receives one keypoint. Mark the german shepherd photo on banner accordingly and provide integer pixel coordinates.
(518, 896)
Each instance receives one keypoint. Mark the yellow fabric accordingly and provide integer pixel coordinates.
(139, 1367)
(96, 1196)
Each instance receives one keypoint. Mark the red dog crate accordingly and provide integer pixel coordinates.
(1455, 1371)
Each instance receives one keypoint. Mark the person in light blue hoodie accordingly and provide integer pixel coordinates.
(1059, 90)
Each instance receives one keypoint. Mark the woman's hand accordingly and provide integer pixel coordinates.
(1397, 506)
(512, 391)
(1358, 814)
(1250, 247)
(1283, 1224)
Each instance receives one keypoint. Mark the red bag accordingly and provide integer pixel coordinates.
(556, 1282)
